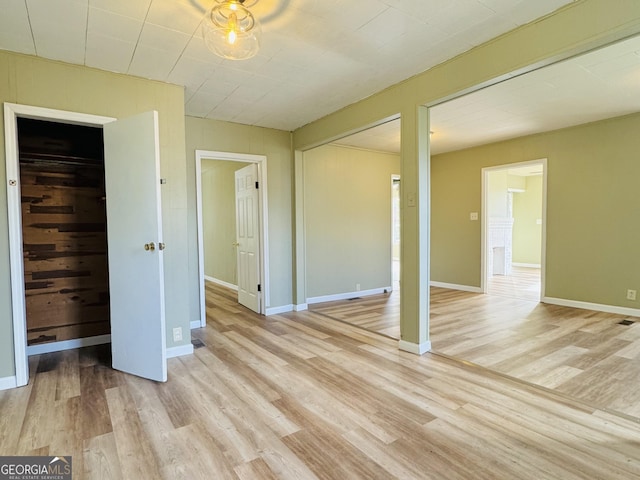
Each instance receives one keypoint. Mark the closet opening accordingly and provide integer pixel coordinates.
(66, 274)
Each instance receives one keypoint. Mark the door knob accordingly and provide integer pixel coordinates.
(150, 246)
(161, 246)
(235, 244)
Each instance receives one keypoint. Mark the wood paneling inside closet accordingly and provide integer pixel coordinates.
(63, 230)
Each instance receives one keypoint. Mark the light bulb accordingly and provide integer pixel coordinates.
(233, 32)
(233, 27)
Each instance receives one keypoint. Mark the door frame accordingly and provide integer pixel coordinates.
(395, 177)
(12, 112)
(484, 228)
(263, 209)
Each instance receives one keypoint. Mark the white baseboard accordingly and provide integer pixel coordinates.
(179, 351)
(632, 312)
(67, 344)
(348, 295)
(527, 265)
(301, 307)
(8, 382)
(277, 310)
(453, 286)
(416, 348)
(221, 282)
(195, 324)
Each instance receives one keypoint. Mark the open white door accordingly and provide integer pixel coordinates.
(248, 237)
(134, 236)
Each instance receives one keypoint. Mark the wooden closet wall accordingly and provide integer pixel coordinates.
(63, 230)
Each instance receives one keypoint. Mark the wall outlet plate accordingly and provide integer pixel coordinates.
(177, 334)
(631, 294)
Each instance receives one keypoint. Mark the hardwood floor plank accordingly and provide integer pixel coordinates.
(135, 453)
(13, 411)
(257, 468)
(39, 423)
(201, 456)
(100, 456)
(320, 448)
(94, 381)
(379, 452)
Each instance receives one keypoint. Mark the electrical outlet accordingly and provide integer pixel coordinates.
(177, 334)
(631, 294)
(473, 216)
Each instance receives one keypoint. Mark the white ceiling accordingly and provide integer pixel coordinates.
(316, 57)
(601, 84)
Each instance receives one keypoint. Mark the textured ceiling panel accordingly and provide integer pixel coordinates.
(317, 56)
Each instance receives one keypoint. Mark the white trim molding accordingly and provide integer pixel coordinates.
(415, 348)
(7, 383)
(526, 265)
(221, 282)
(261, 161)
(180, 350)
(348, 295)
(598, 307)
(277, 310)
(453, 286)
(301, 308)
(12, 112)
(195, 324)
(68, 344)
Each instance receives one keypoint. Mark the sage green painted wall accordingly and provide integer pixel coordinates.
(527, 233)
(497, 193)
(517, 182)
(203, 134)
(32, 81)
(219, 219)
(592, 200)
(347, 198)
(575, 28)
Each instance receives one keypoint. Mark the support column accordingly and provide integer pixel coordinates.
(299, 259)
(415, 217)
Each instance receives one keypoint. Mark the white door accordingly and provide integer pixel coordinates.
(134, 236)
(248, 237)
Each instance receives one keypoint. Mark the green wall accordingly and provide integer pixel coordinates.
(527, 232)
(347, 209)
(497, 193)
(32, 81)
(203, 134)
(592, 209)
(219, 219)
(573, 29)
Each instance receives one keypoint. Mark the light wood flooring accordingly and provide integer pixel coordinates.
(523, 283)
(299, 396)
(581, 353)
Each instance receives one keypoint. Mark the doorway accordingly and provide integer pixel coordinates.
(513, 224)
(226, 237)
(134, 237)
(66, 271)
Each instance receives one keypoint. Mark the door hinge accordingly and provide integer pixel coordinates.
(259, 287)
(257, 185)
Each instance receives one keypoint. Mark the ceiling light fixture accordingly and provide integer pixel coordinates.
(232, 31)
